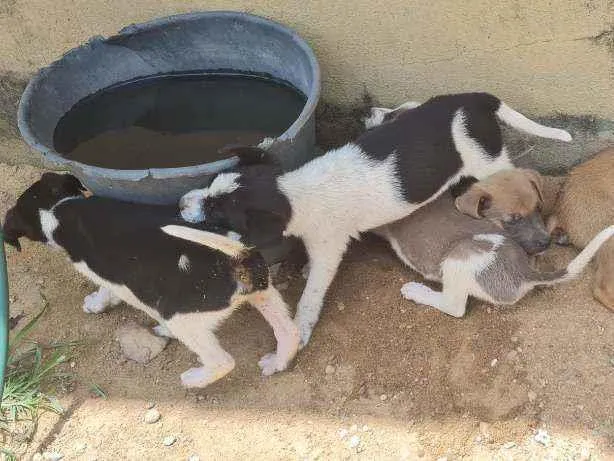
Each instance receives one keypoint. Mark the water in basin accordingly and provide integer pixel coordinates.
(175, 120)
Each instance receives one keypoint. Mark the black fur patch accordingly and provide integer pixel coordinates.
(123, 243)
(422, 140)
(256, 209)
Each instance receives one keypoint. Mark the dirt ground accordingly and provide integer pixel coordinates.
(382, 378)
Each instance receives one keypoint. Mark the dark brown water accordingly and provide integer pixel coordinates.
(175, 120)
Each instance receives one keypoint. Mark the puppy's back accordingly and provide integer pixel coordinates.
(585, 205)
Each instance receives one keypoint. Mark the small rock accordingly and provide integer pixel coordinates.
(138, 343)
(494, 362)
(52, 456)
(169, 440)
(193, 458)
(365, 428)
(354, 441)
(383, 397)
(329, 369)
(343, 433)
(514, 339)
(541, 436)
(612, 361)
(420, 453)
(73, 364)
(151, 416)
(489, 310)
(512, 355)
(532, 396)
(509, 445)
(340, 306)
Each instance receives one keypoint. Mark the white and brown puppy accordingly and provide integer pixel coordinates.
(479, 243)
(387, 173)
(186, 278)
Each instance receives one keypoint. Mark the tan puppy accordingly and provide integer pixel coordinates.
(479, 244)
(585, 205)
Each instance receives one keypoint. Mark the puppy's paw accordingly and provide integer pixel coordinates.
(376, 117)
(94, 303)
(163, 331)
(414, 291)
(270, 364)
(203, 376)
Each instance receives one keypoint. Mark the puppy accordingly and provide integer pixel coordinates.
(479, 243)
(584, 206)
(387, 173)
(188, 279)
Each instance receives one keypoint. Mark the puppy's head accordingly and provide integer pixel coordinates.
(23, 219)
(512, 199)
(245, 199)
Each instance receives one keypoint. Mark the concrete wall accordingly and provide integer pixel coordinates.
(541, 56)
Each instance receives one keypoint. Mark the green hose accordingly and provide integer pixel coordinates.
(4, 315)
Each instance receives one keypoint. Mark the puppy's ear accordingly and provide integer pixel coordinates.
(72, 183)
(537, 181)
(13, 229)
(249, 155)
(474, 202)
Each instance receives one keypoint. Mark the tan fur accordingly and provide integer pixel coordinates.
(526, 199)
(586, 206)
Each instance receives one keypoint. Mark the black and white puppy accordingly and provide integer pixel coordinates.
(186, 278)
(386, 174)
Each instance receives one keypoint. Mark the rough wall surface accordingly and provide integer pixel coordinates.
(541, 56)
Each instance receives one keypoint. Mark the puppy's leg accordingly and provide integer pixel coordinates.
(275, 311)
(195, 330)
(163, 331)
(98, 301)
(380, 114)
(452, 300)
(324, 259)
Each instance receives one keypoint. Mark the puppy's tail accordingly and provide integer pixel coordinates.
(227, 245)
(577, 265)
(522, 123)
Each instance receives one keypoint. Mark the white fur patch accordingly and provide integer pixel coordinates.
(184, 263)
(49, 224)
(191, 204)
(476, 161)
(520, 122)
(379, 113)
(224, 183)
(496, 239)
